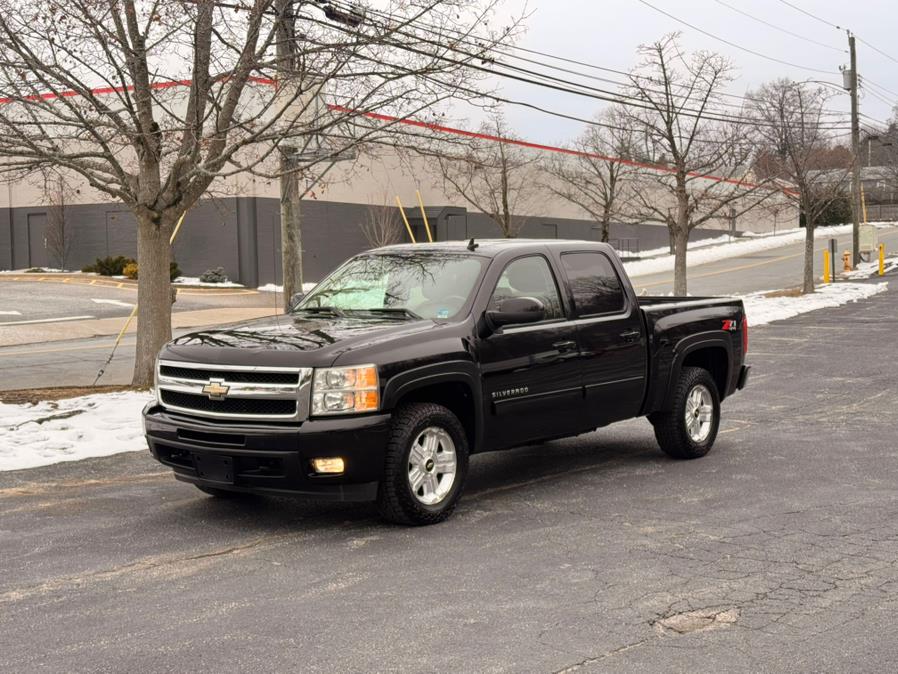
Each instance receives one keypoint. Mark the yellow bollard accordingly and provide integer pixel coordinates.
(826, 266)
(882, 259)
(408, 227)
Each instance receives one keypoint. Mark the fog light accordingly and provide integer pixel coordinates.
(330, 465)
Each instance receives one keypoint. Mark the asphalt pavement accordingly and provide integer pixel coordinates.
(773, 269)
(778, 552)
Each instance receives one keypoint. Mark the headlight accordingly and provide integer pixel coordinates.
(345, 390)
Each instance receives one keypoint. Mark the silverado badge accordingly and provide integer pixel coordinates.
(216, 389)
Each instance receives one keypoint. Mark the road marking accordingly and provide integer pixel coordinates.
(10, 313)
(46, 320)
(117, 303)
(86, 347)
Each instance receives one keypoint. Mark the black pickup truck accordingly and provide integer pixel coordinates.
(382, 381)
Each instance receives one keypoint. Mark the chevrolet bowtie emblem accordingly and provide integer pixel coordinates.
(216, 390)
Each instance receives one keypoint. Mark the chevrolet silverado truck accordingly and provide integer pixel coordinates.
(382, 381)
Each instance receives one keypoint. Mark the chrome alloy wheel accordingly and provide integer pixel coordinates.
(699, 413)
(432, 465)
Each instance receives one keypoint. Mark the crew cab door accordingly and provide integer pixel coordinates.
(611, 335)
(532, 385)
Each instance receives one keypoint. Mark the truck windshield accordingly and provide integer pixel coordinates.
(402, 285)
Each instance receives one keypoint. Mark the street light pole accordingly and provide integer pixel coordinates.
(290, 203)
(856, 156)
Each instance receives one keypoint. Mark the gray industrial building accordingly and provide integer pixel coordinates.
(242, 234)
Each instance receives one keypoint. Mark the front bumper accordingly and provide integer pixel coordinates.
(272, 458)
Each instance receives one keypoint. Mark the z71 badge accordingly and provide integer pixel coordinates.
(510, 392)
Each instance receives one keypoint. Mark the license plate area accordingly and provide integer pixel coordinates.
(214, 468)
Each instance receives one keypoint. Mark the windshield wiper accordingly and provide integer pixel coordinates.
(391, 310)
(322, 310)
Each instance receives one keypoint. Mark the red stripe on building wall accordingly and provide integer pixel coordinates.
(439, 128)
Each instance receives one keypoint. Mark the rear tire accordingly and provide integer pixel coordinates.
(689, 428)
(426, 465)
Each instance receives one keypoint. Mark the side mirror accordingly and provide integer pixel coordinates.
(295, 300)
(517, 310)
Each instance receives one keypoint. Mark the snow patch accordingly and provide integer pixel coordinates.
(69, 430)
(195, 281)
(273, 288)
(762, 310)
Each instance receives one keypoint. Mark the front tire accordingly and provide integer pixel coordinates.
(426, 465)
(689, 429)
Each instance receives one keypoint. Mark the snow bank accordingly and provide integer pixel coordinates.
(762, 310)
(195, 281)
(272, 288)
(69, 430)
(727, 250)
(868, 269)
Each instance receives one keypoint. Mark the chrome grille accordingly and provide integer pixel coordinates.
(253, 393)
(246, 376)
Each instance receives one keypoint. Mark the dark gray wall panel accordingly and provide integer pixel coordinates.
(242, 234)
(209, 238)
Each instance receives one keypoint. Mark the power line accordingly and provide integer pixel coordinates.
(877, 49)
(779, 28)
(813, 16)
(732, 44)
(559, 84)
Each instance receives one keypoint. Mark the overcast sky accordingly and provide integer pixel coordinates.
(608, 33)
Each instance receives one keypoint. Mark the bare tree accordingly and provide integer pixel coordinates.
(595, 176)
(381, 225)
(799, 150)
(495, 176)
(151, 101)
(703, 154)
(57, 194)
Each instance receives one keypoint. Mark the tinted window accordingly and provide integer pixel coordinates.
(595, 284)
(529, 277)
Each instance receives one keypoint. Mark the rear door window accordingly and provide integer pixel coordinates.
(595, 285)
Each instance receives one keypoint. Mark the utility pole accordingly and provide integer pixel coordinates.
(290, 202)
(856, 156)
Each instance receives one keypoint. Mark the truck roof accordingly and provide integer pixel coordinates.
(489, 247)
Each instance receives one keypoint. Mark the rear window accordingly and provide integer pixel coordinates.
(594, 282)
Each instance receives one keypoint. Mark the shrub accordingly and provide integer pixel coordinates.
(109, 266)
(131, 270)
(216, 275)
(35, 270)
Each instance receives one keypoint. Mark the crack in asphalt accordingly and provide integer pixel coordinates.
(186, 564)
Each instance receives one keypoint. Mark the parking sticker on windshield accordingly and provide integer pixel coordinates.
(443, 313)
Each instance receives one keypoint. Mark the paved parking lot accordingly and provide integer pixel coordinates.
(24, 301)
(777, 552)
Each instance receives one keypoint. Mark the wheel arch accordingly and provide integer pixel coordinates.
(454, 385)
(710, 351)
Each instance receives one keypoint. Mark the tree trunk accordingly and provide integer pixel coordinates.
(153, 297)
(291, 234)
(681, 239)
(605, 225)
(808, 284)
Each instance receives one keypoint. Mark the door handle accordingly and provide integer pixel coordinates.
(567, 345)
(630, 335)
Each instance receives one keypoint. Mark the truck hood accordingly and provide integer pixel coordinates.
(288, 341)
